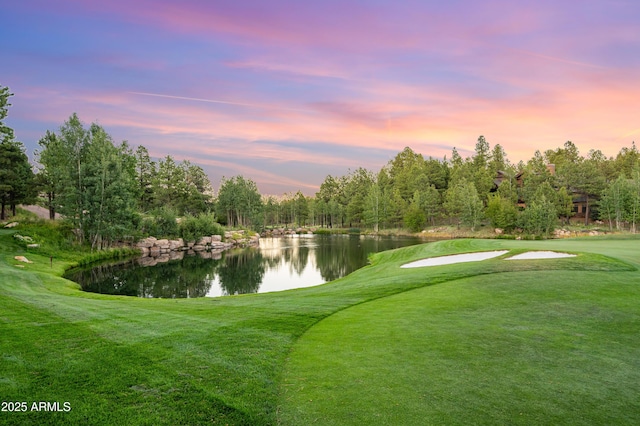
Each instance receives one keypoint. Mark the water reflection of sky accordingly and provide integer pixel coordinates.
(280, 273)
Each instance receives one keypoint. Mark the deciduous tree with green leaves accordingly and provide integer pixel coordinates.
(91, 182)
(145, 173)
(462, 201)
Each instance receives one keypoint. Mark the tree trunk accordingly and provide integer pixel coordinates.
(586, 214)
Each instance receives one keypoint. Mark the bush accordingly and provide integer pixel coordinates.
(192, 228)
(539, 218)
(163, 224)
(501, 212)
(323, 231)
(415, 219)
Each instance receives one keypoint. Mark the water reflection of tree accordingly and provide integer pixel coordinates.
(336, 256)
(189, 277)
(299, 262)
(241, 272)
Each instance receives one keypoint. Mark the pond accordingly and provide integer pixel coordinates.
(277, 264)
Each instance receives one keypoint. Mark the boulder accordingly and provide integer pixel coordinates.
(22, 259)
(216, 238)
(204, 241)
(11, 225)
(198, 247)
(146, 243)
(176, 244)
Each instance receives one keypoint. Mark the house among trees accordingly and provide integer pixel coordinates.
(579, 200)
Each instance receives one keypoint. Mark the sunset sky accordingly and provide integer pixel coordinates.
(287, 92)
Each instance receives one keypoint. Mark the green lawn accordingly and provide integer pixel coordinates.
(546, 341)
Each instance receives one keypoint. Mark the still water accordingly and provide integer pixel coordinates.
(277, 264)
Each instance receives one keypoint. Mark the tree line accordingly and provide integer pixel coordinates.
(412, 191)
(109, 191)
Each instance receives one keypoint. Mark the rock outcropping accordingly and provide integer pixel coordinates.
(154, 247)
(280, 232)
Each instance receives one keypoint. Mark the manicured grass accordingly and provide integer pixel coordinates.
(543, 347)
(120, 360)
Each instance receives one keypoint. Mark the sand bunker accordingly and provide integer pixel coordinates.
(456, 258)
(540, 255)
(484, 255)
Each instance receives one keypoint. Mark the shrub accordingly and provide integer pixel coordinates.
(192, 228)
(415, 219)
(162, 224)
(501, 212)
(539, 218)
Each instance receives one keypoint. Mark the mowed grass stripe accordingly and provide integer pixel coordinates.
(522, 347)
(122, 360)
(49, 359)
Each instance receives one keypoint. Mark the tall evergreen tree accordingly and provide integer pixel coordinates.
(239, 201)
(16, 175)
(462, 201)
(145, 173)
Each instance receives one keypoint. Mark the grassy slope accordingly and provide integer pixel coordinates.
(518, 347)
(121, 360)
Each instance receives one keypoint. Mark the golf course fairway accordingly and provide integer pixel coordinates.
(549, 341)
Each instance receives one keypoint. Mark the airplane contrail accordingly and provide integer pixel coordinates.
(214, 101)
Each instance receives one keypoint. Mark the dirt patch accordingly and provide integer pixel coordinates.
(41, 212)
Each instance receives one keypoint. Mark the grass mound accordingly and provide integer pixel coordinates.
(528, 342)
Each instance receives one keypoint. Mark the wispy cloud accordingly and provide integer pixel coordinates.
(286, 91)
(215, 101)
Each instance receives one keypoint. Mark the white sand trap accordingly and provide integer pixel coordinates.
(540, 255)
(456, 258)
